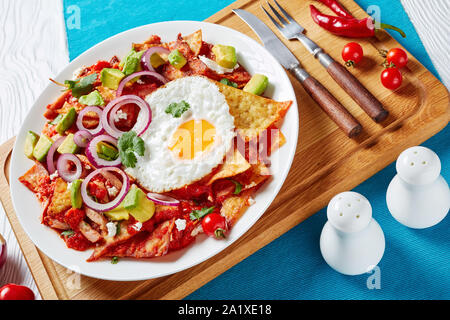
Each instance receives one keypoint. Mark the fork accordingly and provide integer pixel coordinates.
(291, 30)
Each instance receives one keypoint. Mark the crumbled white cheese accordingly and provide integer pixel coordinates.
(180, 224)
(87, 167)
(69, 185)
(137, 226)
(197, 230)
(120, 115)
(54, 175)
(112, 191)
(251, 201)
(112, 229)
(139, 81)
(211, 64)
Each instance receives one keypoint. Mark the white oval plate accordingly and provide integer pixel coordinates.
(253, 57)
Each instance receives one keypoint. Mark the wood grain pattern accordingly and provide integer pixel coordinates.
(32, 49)
(326, 161)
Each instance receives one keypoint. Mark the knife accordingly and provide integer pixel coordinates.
(329, 104)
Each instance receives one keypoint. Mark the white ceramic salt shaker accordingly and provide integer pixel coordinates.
(418, 196)
(352, 242)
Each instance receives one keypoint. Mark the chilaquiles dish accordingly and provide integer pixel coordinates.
(140, 155)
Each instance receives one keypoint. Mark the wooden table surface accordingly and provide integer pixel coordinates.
(30, 53)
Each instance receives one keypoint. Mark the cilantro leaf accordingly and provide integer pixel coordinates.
(177, 109)
(139, 146)
(238, 187)
(129, 145)
(114, 260)
(68, 233)
(81, 86)
(118, 228)
(229, 83)
(92, 99)
(198, 214)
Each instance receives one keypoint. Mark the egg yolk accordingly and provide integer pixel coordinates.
(191, 138)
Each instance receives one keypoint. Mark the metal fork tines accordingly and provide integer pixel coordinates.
(290, 28)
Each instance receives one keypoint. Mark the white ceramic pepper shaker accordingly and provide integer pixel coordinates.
(352, 242)
(418, 196)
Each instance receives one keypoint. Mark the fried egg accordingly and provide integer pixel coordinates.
(180, 151)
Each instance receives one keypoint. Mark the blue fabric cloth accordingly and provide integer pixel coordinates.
(416, 263)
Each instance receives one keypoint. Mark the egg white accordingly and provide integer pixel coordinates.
(159, 170)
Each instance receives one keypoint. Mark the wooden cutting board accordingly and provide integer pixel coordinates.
(326, 161)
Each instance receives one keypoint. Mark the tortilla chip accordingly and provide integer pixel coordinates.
(234, 164)
(60, 200)
(111, 242)
(252, 114)
(233, 207)
(146, 245)
(106, 93)
(67, 106)
(38, 181)
(194, 41)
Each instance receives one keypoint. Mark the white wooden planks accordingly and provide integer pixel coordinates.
(32, 49)
(430, 18)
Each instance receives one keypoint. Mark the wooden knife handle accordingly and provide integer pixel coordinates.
(357, 91)
(332, 107)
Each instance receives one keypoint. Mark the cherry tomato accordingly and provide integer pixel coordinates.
(352, 53)
(15, 292)
(215, 225)
(391, 78)
(397, 56)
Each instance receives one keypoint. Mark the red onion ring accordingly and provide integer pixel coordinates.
(148, 53)
(163, 199)
(82, 138)
(51, 155)
(62, 165)
(81, 115)
(91, 152)
(101, 207)
(138, 74)
(112, 108)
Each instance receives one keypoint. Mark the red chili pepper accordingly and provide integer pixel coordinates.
(337, 8)
(353, 28)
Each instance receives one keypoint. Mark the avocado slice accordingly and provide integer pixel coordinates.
(42, 147)
(138, 205)
(30, 142)
(257, 84)
(75, 194)
(225, 56)
(132, 62)
(118, 213)
(177, 59)
(68, 145)
(107, 151)
(156, 60)
(92, 99)
(111, 77)
(67, 121)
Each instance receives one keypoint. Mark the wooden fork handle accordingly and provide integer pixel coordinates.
(329, 104)
(357, 91)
